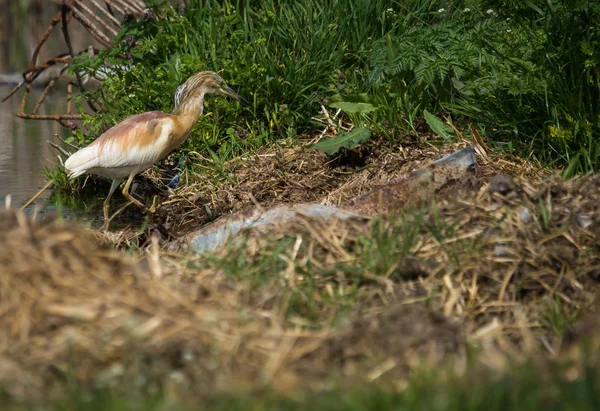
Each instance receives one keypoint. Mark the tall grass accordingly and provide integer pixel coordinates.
(526, 73)
(284, 58)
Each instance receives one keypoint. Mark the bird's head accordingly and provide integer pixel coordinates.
(203, 83)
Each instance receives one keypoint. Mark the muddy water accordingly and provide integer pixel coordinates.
(24, 148)
(25, 154)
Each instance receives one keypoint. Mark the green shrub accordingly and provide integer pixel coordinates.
(525, 72)
(282, 57)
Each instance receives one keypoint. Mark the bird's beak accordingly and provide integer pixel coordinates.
(229, 92)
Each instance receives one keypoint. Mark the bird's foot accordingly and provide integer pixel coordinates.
(142, 206)
(152, 208)
(106, 225)
(116, 213)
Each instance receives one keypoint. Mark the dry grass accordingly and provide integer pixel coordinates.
(505, 268)
(289, 173)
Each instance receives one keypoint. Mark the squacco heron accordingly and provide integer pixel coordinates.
(139, 141)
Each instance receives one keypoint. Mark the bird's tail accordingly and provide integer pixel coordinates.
(81, 161)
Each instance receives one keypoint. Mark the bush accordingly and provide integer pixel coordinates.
(525, 72)
(283, 69)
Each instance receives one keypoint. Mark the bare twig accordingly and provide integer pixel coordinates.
(106, 12)
(32, 199)
(47, 89)
(98, 19)
(56, 117)
(53, 23)
(66, 142)
(110, 5)
(59, 148)
(13, 91)
(104, 17)
(92, 28)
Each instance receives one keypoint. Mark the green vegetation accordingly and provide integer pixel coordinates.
(343, 311)
(525, 73)
(384, 254)
(428, 390)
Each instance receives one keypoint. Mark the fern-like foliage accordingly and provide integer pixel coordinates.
(525, 69)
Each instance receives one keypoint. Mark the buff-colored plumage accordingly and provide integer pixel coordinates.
(139, 141)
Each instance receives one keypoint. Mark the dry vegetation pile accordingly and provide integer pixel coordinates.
(291, 173)
(506, 268)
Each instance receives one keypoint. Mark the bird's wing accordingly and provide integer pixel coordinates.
(138, 140)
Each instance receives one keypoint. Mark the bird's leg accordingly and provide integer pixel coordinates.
(106, 205)
(120, 210)
(153, 206)
(130, 197)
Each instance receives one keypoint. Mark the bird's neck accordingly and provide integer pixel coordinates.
(188, 113)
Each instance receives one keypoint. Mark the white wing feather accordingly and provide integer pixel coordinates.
(81, 161)
(118, 148)
(112, 154)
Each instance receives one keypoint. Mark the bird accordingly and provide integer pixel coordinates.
(138, 142)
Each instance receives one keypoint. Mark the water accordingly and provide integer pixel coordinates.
(24, 155)
(24, 148)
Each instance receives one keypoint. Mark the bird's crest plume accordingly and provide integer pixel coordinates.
(206, 79)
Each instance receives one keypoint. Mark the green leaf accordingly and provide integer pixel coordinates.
(438, 126)
(571, 170)
(345, 139)
(461, 87)
(353, 103)
(351, 98)
(352, 108)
